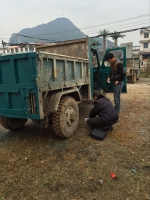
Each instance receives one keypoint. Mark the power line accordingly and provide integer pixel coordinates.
(121, 27)
(52, 40)
(14, 39)
(95, 25)
(101, 24)
(126, 31)
(104, 24)
(55, 39)
(110, 44)
(114, 28)
(100, 35)
(37, 38)
(119, 21)
(84, 28)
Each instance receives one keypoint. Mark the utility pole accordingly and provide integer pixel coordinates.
(3, 47)
(18, 39)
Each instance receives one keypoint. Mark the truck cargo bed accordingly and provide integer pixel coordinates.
(25, 77)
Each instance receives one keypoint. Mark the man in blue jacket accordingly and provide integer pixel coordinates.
(103, 115)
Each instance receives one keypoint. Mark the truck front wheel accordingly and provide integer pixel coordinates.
(65, 120)
(12, 124)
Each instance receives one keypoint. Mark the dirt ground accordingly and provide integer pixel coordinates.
(35, 164)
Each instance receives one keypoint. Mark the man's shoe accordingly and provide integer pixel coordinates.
(110, 128)
(107, 128)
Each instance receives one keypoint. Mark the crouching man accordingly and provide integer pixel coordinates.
(103, 115)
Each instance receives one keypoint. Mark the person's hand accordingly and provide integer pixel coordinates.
(108, 79)
(116, 82)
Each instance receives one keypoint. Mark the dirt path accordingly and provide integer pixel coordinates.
(35, 164)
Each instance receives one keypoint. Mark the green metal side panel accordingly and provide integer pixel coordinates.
(18, 86)
(24, 77)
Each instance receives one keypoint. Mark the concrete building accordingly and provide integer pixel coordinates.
(2, 50)
(136, 51)
(144, 44)
(16, 49)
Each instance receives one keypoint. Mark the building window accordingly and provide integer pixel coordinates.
(145, 45)
(146, 35)
(31, 48)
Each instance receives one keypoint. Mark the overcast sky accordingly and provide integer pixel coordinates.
(90, 16)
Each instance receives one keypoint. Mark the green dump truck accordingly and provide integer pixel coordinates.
(46, 86)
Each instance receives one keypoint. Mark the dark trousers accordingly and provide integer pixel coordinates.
(98, 123)
(117, 91)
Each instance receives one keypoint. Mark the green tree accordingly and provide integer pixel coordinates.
(115, 37)
(104, 35)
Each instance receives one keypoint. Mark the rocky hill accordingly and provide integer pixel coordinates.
(60, 29)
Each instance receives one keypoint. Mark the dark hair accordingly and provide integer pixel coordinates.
(96, 93)
(109, 56)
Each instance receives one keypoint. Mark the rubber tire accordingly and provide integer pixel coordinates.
(59, 121)
(12, 124)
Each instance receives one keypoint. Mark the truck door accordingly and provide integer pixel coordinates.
(120, 54)
(96, 69)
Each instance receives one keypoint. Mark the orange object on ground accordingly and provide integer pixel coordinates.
(113, 175)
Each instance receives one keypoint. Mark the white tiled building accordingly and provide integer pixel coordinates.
(16, 49)
(144, 43)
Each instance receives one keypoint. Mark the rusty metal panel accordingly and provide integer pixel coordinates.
(56, 72)
(75, 48)
(52, 101)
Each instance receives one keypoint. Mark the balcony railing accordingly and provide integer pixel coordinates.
(145, 50)
(144, 40)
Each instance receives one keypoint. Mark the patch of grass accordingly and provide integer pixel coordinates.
(36, 165)
(145, 73)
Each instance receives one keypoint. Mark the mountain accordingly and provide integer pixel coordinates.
(60, 29)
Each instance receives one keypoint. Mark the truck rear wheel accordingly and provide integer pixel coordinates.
(65, 120)
(12, 124)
